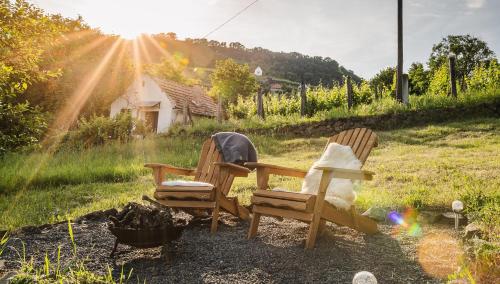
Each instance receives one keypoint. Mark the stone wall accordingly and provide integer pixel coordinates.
(385, 121)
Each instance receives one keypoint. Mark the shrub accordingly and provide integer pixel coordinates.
(363, 94)
(99, 129)
(319, 99)
(281, 105)
(21, 126)
(243, 108)
(440, 82)
(485, 76)
(322, 99)
(483, 207)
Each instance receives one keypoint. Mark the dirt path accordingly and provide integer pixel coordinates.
(275, 256)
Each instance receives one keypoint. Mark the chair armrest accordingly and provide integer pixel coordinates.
(278, 170)
(234, 169)
(347, 173)
(171, 169)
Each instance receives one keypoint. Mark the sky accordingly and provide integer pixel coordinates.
(360, 34)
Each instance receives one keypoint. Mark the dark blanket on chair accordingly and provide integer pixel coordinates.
(235, 147)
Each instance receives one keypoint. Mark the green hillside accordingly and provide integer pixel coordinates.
(202, 55)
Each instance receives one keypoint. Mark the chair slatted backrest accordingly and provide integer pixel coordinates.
(361, 140)
(206, 171)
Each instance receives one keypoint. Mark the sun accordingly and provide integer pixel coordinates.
(125, 32)
(129, 35)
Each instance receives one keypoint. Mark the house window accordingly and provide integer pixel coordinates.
(151, 118)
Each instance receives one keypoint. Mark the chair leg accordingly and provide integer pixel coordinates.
(215, 219)
(313, 232)
(353, 216)
(254, 225)
(322, 227)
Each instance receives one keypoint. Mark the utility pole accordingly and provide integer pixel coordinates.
(399, 78)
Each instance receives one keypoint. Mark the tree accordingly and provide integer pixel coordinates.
(43, 60)
(214, 43)
(73, 66)
(470, 52)
(419, 79)
(172, 35)
(168, 70)
(236, 45)
(230, 80)
(26, 31)
(383, 81)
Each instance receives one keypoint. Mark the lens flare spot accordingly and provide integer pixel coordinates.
(406, 222)
(396, 218)
(439, 254)
(415, 230)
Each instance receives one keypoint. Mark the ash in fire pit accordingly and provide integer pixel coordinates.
(144, 226)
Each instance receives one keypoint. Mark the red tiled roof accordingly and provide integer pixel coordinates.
(199, 102)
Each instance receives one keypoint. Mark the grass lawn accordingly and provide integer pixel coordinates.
(420, 167)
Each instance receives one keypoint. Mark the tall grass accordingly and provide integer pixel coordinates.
(3, 242)
(55, 272)
(114, 162)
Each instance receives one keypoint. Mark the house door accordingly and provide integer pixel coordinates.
(152, 120)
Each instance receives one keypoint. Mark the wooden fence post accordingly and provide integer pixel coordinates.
(453, 74)
(260, 103)
(185, 111)
(303, 99)
(219, 108)
(350, 95)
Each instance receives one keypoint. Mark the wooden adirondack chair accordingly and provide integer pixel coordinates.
(211, 170)
(310, 208)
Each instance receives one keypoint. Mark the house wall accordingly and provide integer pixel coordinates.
(145, 89)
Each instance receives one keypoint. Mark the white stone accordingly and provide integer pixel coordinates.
(364, 277)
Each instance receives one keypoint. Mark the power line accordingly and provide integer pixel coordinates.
(230, 19)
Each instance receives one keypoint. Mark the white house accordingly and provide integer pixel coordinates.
(160, 103)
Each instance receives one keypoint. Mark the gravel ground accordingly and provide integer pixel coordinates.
(277, 255)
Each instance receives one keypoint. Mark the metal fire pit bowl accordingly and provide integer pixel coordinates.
(145, 238)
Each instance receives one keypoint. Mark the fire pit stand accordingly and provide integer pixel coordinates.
(141, 226)
(144, 238)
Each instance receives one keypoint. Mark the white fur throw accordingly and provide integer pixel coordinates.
(340, 192)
